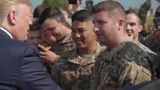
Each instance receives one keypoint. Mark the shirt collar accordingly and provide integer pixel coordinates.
(3, 29)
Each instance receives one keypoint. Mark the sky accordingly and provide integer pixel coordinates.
(125, 3)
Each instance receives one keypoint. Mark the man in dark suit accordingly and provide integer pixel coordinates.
(20, 66)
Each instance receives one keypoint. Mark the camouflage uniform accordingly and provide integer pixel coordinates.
(60, 47)
(153, 55)
(74, 70)
(146, 49)
(63, 45)
(150, 42)
(126, 64)
(155, 46)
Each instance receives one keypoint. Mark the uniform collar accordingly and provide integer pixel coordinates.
(77, 57)
(109, 53)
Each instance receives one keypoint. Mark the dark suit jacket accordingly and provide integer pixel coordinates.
(21, 67)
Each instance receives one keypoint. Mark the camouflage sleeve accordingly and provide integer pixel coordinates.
(59, 70)
(94, 79)
(56, 67)
(137, 68)
(54, 73)
(133, 74)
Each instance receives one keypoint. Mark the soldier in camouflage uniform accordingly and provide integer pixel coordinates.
(123, 63)
(63, 45)
(56, 32)
(134, 27)
(152, 41)
(73, 70)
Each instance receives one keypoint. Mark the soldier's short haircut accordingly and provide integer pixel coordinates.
(52, 13)
(82, 15)
(38, 11)
(7, 5)
(113, 8)
(136, 13)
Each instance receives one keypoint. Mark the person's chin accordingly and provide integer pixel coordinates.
(25, 38)
(130, 33)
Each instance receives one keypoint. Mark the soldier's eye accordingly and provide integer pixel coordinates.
(132, 24)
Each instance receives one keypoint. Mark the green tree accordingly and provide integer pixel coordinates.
(58, 3)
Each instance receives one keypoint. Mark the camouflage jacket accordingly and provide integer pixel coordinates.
(150, 42)
(73, 70)
(155, 46)
(63, 45)
(145, 48)
(126, 64)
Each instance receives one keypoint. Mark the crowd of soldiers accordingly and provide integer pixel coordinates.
(99, 49)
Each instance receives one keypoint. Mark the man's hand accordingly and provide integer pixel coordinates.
(47, 56)
(72, 8)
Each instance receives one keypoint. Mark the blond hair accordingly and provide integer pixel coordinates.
(6, 6)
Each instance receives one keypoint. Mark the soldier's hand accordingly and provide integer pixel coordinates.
(47, 56)
(72, 8)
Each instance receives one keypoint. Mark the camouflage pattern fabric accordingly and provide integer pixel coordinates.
(63, 45)
(145, 48)
(73, 70)
(151, 53)
(150, 42)
(124, 65)
(155, 46)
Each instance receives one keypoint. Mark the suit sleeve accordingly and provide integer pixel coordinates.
(33, 73)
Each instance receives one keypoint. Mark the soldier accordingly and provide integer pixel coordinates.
(34, 36)
(123, 63)
(74, 68)
(134, 27)
(152, 41)
(56, 32)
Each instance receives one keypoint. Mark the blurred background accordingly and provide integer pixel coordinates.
(126, 3)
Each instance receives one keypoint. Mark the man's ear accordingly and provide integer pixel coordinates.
(140, 28)
(12, 17)
(120, 24)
